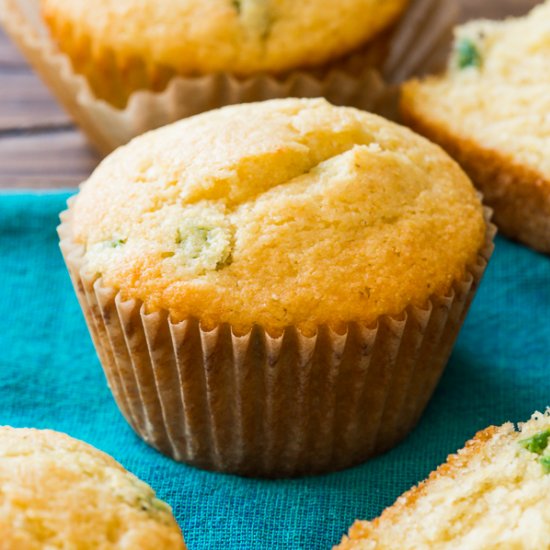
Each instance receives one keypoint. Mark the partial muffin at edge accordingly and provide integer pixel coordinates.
(489, 111)
(128, 45)
(494, 493)
(58, 492)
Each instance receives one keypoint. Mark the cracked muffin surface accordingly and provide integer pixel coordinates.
(59, 493)
(286, 212)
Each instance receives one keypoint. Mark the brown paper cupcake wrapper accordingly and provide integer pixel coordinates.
(270, 406)
(353, 82)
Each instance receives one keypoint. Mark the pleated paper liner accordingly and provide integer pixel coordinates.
(263, 405)
(354, 81)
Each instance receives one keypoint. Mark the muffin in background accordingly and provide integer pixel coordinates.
(58, 492)
(274, 288)
(127, 45)
(490, 112)
(494, 493)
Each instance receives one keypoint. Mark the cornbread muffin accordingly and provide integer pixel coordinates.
(58, 492)
(126, 45)
(261, 280)
(493, 494)
(490, 111)
(256, 214)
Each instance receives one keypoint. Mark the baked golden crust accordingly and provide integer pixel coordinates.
(258, 214)
(489, 111)
(58, 492)
(127, 45)
(491, 494)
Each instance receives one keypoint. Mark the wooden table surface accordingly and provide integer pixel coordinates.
(41, 148)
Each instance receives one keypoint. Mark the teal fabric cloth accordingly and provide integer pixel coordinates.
(50, 377)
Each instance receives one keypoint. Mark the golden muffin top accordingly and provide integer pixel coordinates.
(286, 212)
(496, 91)
(57, 492)
(238, 36)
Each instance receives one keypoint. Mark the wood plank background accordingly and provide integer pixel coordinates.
(40, 147)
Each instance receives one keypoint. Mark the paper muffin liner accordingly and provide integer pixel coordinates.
(264, 405)
(353, 81)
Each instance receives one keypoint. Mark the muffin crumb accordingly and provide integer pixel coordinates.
(492, 494)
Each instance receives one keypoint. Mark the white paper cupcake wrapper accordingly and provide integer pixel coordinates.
(425, 24)
(270, 406)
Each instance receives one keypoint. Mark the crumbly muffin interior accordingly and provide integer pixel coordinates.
(59, 493)
(279, 213)
(493, 494)
(495, 91)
